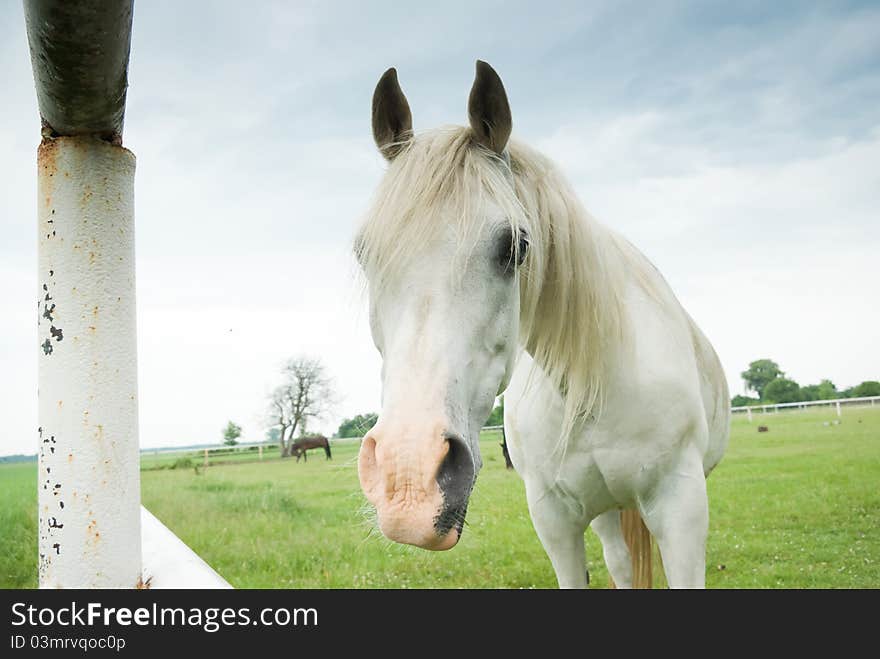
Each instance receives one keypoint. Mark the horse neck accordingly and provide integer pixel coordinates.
(571, 316)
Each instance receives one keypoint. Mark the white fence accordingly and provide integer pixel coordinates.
(836, 403)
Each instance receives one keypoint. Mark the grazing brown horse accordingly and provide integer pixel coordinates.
(303, 444)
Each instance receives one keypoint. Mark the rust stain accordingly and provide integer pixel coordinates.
(60, 403)
(144, 585)
(47, 156)
(91, 258)
(70, 459)
(95, 311)
(92, 530)
(99, 433)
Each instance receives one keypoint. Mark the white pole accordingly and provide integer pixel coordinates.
(261, 451)
(89, 466)
(838, 407)
(749, 411)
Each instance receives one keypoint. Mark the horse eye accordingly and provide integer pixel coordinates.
(523, 247)
(512, 251)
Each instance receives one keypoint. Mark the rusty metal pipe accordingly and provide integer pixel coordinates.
(89, 462)
(89, 477)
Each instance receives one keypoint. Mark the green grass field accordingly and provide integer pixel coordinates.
(797, 507)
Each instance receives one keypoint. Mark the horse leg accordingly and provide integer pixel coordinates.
(677, 514)
(617, 557)
(562, 538)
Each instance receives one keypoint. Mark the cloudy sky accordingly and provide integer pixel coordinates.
(737, 144)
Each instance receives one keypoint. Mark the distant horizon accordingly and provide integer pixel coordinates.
(246, 443)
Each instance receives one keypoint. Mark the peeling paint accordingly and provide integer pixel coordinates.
(87, 325)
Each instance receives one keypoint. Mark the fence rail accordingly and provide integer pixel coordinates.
(837, 403)
(205, 455)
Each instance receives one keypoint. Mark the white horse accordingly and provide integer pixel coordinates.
(486, 274)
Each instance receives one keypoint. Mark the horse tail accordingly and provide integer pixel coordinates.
(638, 539)
(327, 449)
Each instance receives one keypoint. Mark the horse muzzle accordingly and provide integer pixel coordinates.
(420, 489)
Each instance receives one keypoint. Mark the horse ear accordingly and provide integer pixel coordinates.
(392, 120)
(488, 109)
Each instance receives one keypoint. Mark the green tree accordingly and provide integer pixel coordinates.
(825, 390)
(866, 388)
(231, 433)
(358, 425)
(782, 390)
(760, 373)
(497, 416)
(740, 401)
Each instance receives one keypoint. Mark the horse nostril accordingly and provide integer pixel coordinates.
(456, 474)
(368, 466)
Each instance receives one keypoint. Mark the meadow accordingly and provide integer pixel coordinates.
(795, 507)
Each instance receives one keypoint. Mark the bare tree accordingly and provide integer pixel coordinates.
(306, 393)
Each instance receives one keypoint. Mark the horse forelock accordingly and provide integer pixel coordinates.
(573, 278)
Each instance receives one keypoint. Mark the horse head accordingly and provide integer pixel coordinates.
(441, 251)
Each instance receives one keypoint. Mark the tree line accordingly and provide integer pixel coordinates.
(307, 393)
(772, 386)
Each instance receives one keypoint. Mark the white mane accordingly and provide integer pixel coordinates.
(572, 280)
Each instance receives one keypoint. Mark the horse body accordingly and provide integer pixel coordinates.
(662, 428)
(303, 444)
(485, 275)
